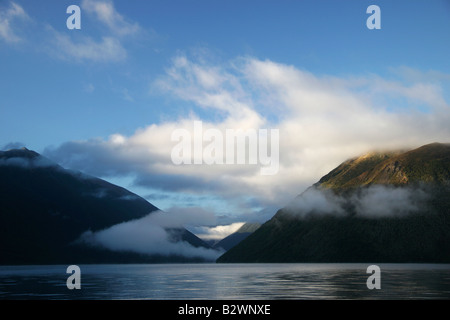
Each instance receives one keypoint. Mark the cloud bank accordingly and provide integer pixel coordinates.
(154, 234)
(375, 201)
(322, 121)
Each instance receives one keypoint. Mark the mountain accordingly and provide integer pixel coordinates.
(379, 207)
(427, 164)
(44, 209)
(233, 239)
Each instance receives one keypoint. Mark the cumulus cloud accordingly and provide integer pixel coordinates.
(322, 121)
(153, 234)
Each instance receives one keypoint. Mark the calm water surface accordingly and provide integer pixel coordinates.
(227, 281)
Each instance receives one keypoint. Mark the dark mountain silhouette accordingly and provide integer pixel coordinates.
(380, 207)
(44, 208)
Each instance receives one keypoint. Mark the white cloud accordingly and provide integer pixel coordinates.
(108, 15)
(7, 18)
(316, 201)
(108, 47)
(385, 201)
(371, 202)
(84, 48)
(322, 121)
(216, 88)
(217, 232)
(150, 235)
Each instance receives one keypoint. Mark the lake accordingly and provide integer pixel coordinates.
(226, 281)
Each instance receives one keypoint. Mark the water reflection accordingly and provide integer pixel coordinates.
(227, 281)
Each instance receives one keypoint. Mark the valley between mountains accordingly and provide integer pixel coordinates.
(379, 207)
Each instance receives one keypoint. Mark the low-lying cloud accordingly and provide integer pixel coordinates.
(36, 162)
(384, 201)
(375, 201)
(154, 234)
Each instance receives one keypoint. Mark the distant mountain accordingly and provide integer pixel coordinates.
(44, 208)
(380, 207)
(233, 239)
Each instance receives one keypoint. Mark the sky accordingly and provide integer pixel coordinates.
(106, 99)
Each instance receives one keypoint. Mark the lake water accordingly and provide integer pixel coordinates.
(227, 281)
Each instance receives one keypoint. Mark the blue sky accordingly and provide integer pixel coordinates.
(132, 73)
